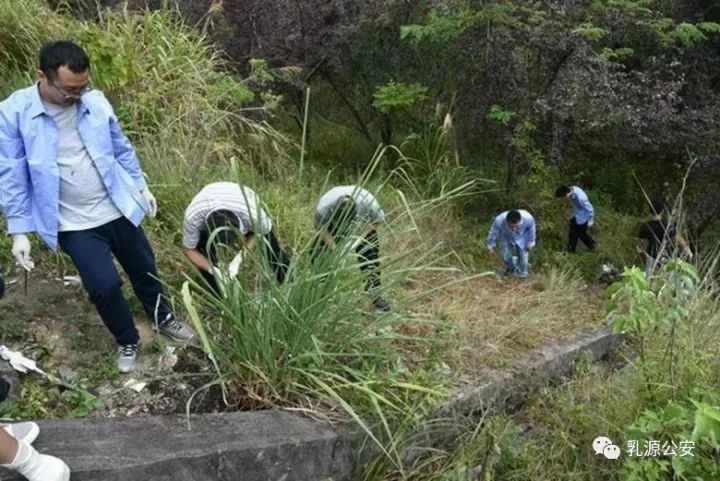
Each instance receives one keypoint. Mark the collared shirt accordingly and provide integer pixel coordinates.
(29, 174)
(583, 210)
(523, 236)
(368, 208)
(229, 196)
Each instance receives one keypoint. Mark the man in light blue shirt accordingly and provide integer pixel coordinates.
(515, 231)
(582, 218)
(68, 173)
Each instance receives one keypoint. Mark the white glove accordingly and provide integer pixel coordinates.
(21, 251)
(18, 362)
(151, 202)
(590, 223)
(234, 267)
(688, 253)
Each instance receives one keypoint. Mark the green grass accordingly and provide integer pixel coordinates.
(622, 405)
(314, 344)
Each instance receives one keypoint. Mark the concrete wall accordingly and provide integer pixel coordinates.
(257, 446)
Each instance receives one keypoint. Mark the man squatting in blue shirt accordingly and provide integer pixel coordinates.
(515, 230)
(68, 173)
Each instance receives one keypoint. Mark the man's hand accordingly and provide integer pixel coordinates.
(21, 251)
(591, 222)
(688, 253)
(151, 202)
(491, 249)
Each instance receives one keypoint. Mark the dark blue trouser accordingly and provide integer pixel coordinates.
(92, 253)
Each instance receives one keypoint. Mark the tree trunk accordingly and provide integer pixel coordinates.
(512, 167)
(386, 131)
(557, 146)
(353, 110)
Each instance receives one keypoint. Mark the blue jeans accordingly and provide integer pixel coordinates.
(92, 253)
(519, 267)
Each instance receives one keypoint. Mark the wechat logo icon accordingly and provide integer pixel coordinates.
(603, 445)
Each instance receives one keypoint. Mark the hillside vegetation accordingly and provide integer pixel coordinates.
(451, 112)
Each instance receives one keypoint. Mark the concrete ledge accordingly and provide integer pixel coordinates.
(257, 446)
(542, 366)
(510, 390)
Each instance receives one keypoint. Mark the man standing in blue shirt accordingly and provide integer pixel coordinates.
(515, 230)
(68, 173)
(583, 216)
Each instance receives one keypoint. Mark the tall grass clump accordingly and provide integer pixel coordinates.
(430, 165)
(315, 342)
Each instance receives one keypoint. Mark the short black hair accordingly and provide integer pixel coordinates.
(344, 212)
(513, 217)
(562, 191)
(657, 206)
(54, 55)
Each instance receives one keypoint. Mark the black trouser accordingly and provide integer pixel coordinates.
(4, 389)
(92, 253)
(224, 246)
(368, 253)
(579, 232)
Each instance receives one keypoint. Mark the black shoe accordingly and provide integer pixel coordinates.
(381, 304)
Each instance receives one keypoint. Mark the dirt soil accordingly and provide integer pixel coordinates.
(54, 324)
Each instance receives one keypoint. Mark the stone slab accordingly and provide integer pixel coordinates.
(247, 446)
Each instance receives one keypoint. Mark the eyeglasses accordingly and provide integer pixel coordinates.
(75, 93)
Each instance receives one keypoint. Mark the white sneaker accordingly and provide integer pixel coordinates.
(39, 467)
(127, 357)
(27, 432)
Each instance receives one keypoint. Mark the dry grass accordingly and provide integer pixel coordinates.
(494, 320)
(497, 321)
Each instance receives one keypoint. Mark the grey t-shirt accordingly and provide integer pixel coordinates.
(230, 196)
(368, 208)
(84, 200)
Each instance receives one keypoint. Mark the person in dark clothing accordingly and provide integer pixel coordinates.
(658, 238)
